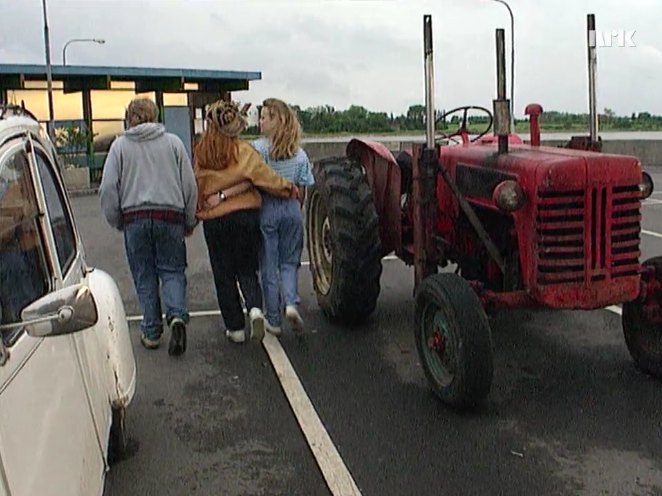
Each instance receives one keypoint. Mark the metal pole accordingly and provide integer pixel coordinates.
(501, 65)
(501, 120)
(429, 80)
(592, 73)
(512, 64)
(79, 40)
(424, 173)
(64, 52)
(49, 75)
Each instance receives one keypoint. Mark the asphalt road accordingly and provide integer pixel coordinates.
(568, 413)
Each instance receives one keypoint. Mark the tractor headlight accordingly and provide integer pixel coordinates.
(509, 196)
(646, 185)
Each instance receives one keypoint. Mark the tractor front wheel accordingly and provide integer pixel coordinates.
(642, 321)
(342, 230)
(453, 339)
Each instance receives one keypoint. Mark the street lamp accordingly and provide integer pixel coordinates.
(49, 75)
(512, 65)
(80, 40)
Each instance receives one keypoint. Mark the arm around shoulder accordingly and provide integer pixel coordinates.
(264, 177)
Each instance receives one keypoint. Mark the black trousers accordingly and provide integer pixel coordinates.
(234, 242)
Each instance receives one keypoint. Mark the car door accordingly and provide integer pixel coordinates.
(71, 270)
(48, 442)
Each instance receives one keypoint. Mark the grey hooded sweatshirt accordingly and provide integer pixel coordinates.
(147, 168)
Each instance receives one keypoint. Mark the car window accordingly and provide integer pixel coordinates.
(24, 275)
(63, 230)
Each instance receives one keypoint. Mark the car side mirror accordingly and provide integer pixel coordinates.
(64, 311)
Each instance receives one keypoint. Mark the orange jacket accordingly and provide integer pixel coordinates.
(250, 166)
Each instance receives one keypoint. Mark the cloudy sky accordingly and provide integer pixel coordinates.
(363, 52)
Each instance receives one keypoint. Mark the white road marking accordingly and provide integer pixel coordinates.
(212, 313)
(652, 233)
(615, 309)
(336, 474)
(334, 470)
(306, 263)
(652, 201)
(202, 313)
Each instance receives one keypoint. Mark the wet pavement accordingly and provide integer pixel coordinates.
(568, 413)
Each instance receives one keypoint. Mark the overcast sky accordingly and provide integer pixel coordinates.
(363, 52)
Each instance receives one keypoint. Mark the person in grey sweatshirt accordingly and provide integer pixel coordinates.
(148, 191)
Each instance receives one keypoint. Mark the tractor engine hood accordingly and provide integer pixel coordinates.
(578, 225)
(478, 170)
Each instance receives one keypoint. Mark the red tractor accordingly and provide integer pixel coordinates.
(523, 224)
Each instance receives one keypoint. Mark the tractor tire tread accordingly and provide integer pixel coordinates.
(356, 244)
(465, 314)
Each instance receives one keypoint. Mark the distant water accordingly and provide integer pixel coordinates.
(617, 135)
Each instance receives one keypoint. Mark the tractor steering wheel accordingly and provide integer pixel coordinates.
(463, 131)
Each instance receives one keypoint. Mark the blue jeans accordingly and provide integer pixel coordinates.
(281, 222)
(156, 252)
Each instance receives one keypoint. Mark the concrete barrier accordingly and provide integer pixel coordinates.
(76, 178)
(648, 151)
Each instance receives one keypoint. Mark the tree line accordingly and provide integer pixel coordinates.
(357, 119)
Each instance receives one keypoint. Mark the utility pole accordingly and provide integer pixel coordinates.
(49, 74)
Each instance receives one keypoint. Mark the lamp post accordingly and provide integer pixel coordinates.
(79, 40)
(512, 65)
(49, 75)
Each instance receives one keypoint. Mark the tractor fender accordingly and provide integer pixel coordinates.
(384, 178)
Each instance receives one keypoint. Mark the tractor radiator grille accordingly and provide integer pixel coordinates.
(625, 230)
(588, 236)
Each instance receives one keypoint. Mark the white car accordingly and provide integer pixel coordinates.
(67, 369)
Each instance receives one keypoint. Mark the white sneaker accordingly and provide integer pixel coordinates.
(236, 336)
(275, 330)
(294, 318)
(257, 321)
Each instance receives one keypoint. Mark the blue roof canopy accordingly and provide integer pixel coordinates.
(78, 78)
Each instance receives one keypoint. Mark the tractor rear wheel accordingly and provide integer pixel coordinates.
(342, 230)
(642, 324)
(454, 340)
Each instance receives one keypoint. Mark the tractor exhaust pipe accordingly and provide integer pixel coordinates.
(592, 76)
(429, 80)
(424, 172)
(426, 166)
(501, 104)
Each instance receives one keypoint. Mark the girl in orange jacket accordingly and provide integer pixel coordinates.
(232, 225)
